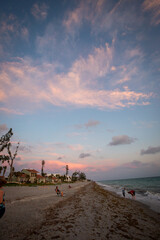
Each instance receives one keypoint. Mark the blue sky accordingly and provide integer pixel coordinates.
(80, 83)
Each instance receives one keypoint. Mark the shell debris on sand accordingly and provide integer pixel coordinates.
(93, 213)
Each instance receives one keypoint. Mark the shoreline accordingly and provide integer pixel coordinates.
(90, 213)
(154, 206)
(151, 201)
(94, 213)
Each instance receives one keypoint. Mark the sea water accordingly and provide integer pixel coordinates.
(147, 189)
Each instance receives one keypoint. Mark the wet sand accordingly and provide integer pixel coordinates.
(87, 212)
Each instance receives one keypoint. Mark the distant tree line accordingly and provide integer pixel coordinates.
(78, 176)
(8, 157)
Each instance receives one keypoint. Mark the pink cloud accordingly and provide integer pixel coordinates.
(3, 128)
(90, 11)
(100, 14)
(154, 7)
(75, 147)
(58, 165)
(74, 18)
(30, 86)
(11, 111)
(11, 27)
(51, 166)
(39, 11)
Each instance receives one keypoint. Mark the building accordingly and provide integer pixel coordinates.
(40, 179)
(31, 173)
(68, 178)
(20, 177)
(50, 178)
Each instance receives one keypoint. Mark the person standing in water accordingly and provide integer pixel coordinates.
(123, 192)
(132, 192)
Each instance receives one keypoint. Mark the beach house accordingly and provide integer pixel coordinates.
(20, 177)
(40, 179)
(32, 173)
(50, 178)
(68, 178)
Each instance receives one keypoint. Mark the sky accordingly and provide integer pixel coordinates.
(80, 84)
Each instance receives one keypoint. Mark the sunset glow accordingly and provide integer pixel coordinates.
(79, 85)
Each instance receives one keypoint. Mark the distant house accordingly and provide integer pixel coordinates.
(31, 173)
(20, 177)
(40, 179)
(51, 179)
(68, 178)
(55, 180)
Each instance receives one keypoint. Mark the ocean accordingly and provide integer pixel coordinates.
(147, 189)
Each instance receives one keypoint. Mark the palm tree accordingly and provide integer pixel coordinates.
(43, 163)
(67, 168)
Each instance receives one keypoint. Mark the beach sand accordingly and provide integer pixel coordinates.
(86, 212)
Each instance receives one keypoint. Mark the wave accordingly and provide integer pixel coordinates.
(149, 198)
(152, 195)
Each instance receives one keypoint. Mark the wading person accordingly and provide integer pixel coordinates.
(132, 192)
(123, 192)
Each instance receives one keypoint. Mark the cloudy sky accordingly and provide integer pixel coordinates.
(80, 84)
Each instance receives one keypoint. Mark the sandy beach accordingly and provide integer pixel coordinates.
(86, 212)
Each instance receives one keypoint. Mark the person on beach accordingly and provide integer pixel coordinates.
(123, 192)
(132, 192)
(61, 194)
(57, 191)
(2, 201)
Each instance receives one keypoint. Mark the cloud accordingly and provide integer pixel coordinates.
(154, 7)
(25, 33)
(25, 149)
(51, 166)
(9, 24)
(57, 155)
(10, 111)
(84, 155)
(3, 127)
(121, 140)
(85, 11)
(11, 28)
(74, 18)
(134, 164)
(75, 147)
(150, 150)
(92, 123)
(102, 16)
(132, 169)
(30, 85)
(39, 11)
(59, 146)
